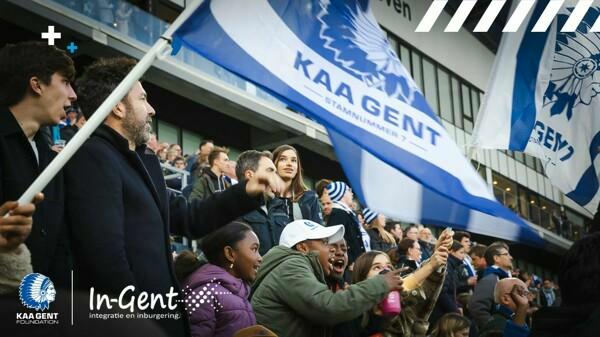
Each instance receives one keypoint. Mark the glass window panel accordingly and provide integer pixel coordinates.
(474, 102)
(468, 127)
(168, 133)
(523, 203)
(405, 57)
(456, 103)
(445, 95)
(190, 142)
(520, 157)
(530, 161)
(538, 166)
(393, 43)
(429, 86)
(416, 70)
(466, 101)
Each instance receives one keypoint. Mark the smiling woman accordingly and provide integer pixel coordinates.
(216, 292)
(299, 201)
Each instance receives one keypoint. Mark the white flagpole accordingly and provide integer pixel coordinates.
(104, 109)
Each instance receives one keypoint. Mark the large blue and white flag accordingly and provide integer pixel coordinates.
(541, 100)
(330, 60)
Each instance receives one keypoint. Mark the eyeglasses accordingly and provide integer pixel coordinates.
(507, 254)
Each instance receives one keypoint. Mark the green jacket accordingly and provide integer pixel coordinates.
(291, 298)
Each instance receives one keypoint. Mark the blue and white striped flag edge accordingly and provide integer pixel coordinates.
(516, 18)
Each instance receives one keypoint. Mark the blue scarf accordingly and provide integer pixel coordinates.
(495, 270)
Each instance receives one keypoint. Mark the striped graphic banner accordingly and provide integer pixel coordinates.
(522, 10)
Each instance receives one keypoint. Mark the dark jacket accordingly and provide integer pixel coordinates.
(269, 221)
(352, 233)
(446, 303)
(426, 250)
(208, 184)
(497, 323)
(567, 321)
(377, 243)
(119, 213)
(68, 132)
(481, 303)
(226, 313)
(48, 243)
(403, 262)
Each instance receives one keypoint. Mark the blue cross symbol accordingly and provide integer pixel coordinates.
(72, 47)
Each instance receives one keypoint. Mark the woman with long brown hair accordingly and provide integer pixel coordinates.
(299, 202)
(381, 239)
(421, 290)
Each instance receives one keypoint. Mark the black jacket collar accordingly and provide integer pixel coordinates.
(136, 158)
(8, 123)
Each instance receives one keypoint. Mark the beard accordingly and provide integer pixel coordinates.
(137, 131)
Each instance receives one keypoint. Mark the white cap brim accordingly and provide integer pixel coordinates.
(291, 236)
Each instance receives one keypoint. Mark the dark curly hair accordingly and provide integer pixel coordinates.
(20, 62)
(99, 80)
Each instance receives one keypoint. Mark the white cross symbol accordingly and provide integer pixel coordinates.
(51, 35)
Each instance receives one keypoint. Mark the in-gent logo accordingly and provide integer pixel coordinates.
(37, 292)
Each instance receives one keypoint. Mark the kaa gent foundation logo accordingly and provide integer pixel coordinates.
(37, 292)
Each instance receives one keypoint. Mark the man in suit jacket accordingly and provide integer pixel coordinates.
(34, 91)
(120, 213)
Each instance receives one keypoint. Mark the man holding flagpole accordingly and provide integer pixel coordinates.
(119, 212)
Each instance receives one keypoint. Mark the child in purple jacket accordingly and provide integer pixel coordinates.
(216, 292)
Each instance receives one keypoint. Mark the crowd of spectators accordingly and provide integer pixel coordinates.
(279, 258)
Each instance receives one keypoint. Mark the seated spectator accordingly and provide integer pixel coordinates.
(152, 143)
(499, 261)
(456, 277)
(326, 203)
(299, 202)
(409, 256)
(230, 175)
(426, 241)
(452, 325)
(173, 151)
(381, 239)
(412, 232)
(198, 161)
(175, 183)
(75, 124)
(212, 180)
(356, 236)
(233, 261)
(477, 259)
(465, 239)
(162, 155)
(395, 229)
(290, 295)
(548, 295)
(505, 308)
(421, 290)
(578, 280)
